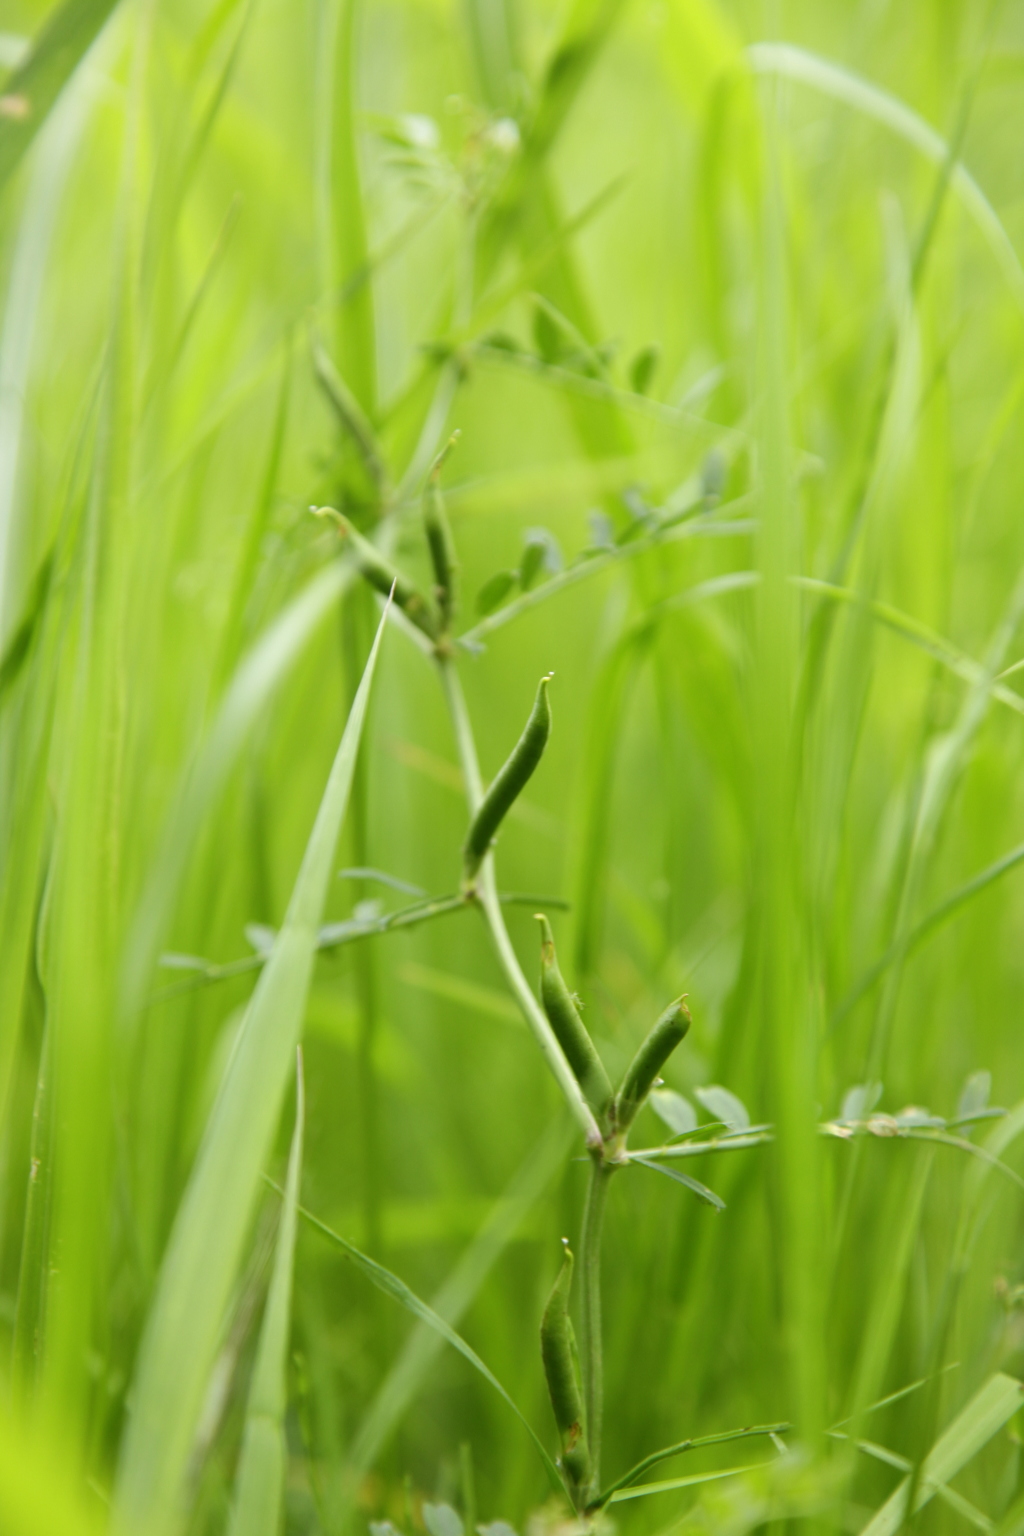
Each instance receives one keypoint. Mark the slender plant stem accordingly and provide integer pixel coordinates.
(490, 904)
(592, 1353)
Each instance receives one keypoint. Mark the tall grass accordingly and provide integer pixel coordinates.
(726, 304)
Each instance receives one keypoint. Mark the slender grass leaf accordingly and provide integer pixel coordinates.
(454, 1297)
(38, 80)
(259, 1487)
(205, 1248)
(843, 85)
(992, 1407)
(700, 1190)
(679, 1448)
(392, 1286)
(670, 1485)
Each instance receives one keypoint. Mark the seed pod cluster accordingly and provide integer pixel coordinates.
(508, 783)
(570, 1030)
(562, 1371)
(665, 1035)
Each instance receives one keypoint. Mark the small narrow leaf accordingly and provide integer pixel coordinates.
(643, 368)
(700, 1190)
(494, 591)
(675, 1111)
(724, 1106)
(531, 565)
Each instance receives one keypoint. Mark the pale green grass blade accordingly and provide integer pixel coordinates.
(66, 37)
(392, 1286)
(259, 1488)
(843, 85)
(992, 1407)
(257, 677)
(209, 1234)
(671, 1484)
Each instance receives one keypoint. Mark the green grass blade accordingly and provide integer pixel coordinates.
(62, 43)
(843, 85)
(206, 1244)
(261, 1475)
(390, 1284)
(254, 683)
(677, 1450)
(992, 1407)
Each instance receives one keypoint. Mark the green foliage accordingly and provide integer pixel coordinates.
(731, 330)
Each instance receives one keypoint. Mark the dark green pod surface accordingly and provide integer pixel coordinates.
(439, 538)
(561, 1371)
(662, 1040)
(378, 570)
(570, 1030)
(509, 782)
(442, 551)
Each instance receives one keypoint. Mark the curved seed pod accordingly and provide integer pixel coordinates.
(662, 1040)
(561, 1370)
(439, 538)
(509, 782)
(570, 1030)
(378, 570)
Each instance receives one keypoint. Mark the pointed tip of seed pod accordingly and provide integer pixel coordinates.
(547, 938)
(441, 459)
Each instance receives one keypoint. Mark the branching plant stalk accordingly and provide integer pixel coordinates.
(486, 893)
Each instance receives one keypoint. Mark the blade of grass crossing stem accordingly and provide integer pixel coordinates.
(397, 1289)
(259, 1486)
(455, 1296)
(206, 1244)
(992, 1407)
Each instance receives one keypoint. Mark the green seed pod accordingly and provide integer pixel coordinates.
(439, 538)
(509, 782)
(562, 1372)
(378, 570)
(662, 1040)
(570, 1030)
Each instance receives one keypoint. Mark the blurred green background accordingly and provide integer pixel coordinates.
(755, 263)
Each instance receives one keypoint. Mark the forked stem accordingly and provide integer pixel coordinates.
(486, 892)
